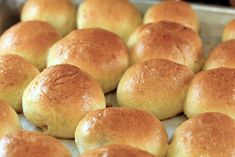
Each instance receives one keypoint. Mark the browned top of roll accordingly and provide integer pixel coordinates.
(229, 31)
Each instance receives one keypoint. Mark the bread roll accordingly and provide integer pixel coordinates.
(60, 14)
(118, 16)
(211, 91)
(166, 40)
(99, 52)
(9, 121)
(31, 144)
(174, 11)
(58, 98)
(30, 40)
(15, 74)
(222, 56)
(157, 86)
(229, 31)
(117, 150)
(207, 135)
(121, 126)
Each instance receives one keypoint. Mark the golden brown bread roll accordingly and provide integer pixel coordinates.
(31, 40)
(31, 144)
(116, 150)
(120, 125)
(211, 91)
(9, 121)
(222, 56)
(58, 98)
(118, 16)
(60, 14)
(15, 74)
(99, 52)
(229, 31)
(174, 11)
(156, 85)
(207, 135)
(166, 40)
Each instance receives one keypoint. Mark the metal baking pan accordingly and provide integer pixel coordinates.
(212, 21)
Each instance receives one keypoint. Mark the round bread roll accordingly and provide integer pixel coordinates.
(166, 40)
(174, 11)
(58, 98)
(222, 56)
(207, 135)
(118, 16)
(9, 121)
(30, 40)
(15, 74)
(229, 31)
(60, 14)
(125, 126)
(99, 52)
(157, 86)
(211, 91)
(116, 150)
(31, 144)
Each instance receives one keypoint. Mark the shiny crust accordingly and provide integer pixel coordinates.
(211, 91)
(28, 144)
(222, 56)
(15, 74)
(31, 40)
(9, 121)
(166, 40)
(229, 31)
(116, 150)
(99, 52)
(58, 98)
(60, 14)
(173, 11)
(155, 86)
(118, 16)
(209, 134)
(121, 126)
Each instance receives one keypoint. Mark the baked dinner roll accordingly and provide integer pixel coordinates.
(174, 11)
(30, 40)
(60, 14)
(229, 31)
(58, 98)
(31, 144)
(211, 91)
(99, 52)
(207, 135)
(222, 56)
(9, 121)
(118, 125)
(166, 40)
(116, 150)
(15, 74)
(157, 86)
(118, 16)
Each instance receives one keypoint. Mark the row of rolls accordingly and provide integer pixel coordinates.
(58, 78)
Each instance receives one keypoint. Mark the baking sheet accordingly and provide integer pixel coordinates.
(212, 21)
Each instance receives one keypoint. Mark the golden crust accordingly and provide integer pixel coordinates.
(118, 16)
(166, 40)
(31, 40)
(28, 144)
(173, 11)
(60, 14)
(211, 91)
(116, 150)
(58, 98)
(222, 56)
(15, 74)
(155, 86)
(229, 31)
(99, 52)
(121, 126)
(209, 134)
